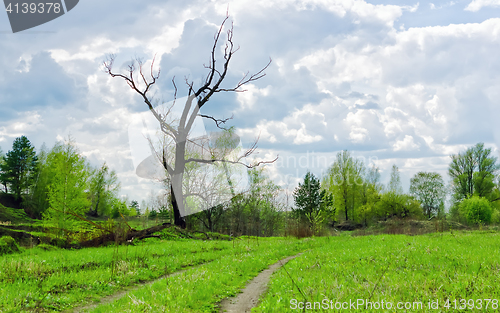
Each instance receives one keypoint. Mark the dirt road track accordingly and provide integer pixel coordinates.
(249, 297)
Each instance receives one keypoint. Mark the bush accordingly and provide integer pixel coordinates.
(392, 204)
(476, 210)
(46, 247)
(8, 245)
(495, 217)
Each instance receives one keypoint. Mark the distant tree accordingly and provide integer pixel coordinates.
(19, 168)
(395, 181)
(344, 180)
(473, 173)
(103, 188)
(369, 195)
(135, 205)
(392, 204)
(144, 208)
(39, 201)
(310, 199)
(119, 208)
(429, 189)
(67, 190)
(3, 177)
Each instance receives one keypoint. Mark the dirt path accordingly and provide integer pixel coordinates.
(249, 297)
(123, 292)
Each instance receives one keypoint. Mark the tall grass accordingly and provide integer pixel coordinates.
(394, 268)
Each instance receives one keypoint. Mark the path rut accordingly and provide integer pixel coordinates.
(249, 297)
(123, 292)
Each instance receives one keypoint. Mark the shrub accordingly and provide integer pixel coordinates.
(495, 217)
(8, 245)
(392, 204)
(476, 210)
(46, 247)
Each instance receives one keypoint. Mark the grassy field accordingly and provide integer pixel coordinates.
(428, 273)
(200, 289)
(44, 281)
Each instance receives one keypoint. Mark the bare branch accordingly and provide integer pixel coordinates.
(231, 162)
(217, 121)
(108, 66)
(246, 80)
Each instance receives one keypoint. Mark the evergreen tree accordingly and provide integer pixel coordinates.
(310, 199)
(19, 168)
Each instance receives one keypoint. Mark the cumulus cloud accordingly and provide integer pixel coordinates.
(407, 144)
(477, 5)
(345, 74)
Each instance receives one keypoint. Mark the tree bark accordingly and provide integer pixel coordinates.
(178, 219)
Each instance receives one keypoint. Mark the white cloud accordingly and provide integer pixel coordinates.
(407, 144)
(345, 75)
(476, 5)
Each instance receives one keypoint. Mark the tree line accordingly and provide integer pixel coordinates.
(350, 193)
(59, 185)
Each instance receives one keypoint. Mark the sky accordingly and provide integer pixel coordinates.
(394, 84)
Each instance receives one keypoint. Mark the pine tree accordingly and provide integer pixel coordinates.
(19, 167)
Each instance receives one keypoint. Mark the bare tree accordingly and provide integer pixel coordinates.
(142, 83)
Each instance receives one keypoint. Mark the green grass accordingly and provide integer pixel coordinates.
(55, 280)
(394, 268)
(45, 280)
(200, 289)
(14, 216)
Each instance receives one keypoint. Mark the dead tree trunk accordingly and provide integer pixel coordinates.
(143, 83)
(178, 219)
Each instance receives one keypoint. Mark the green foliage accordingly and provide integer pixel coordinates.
(344, 180)
(46, 247)
(8, 245)
(312, 203)
(153, 214)
(67, 190)
(38, 200)
(428, 188)
(473, 173)
(392, 204)
(120, 206)
(495, 217)
(476, 210)
(13, 215)
(135, 205)
(19, 167)
(103, 187)
(369, 195)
